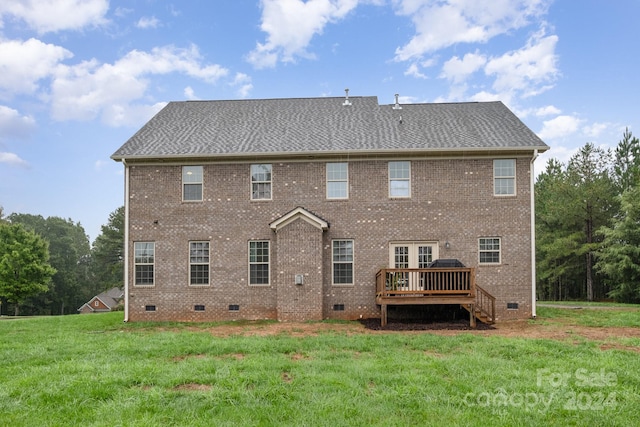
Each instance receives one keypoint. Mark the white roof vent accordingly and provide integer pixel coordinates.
(346, 100)
(397, 106)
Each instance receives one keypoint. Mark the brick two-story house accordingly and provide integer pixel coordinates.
(303, 209)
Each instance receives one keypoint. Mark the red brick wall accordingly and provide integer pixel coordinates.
(452, 200)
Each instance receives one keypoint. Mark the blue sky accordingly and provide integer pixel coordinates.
(79, 77)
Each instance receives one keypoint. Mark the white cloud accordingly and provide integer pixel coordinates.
(90, 89)
(190, 94)
(526, 70)
(24, 64)
(414, 71)
(121, 12)
(130, 115)
(490, 97)
(291, 24)
(12, 160)
(595, 130)
(442, 23)
(549, 110)
(559, 127)
(243, 82)
(148, 22)
(14, 125)
(458, 70)
(517, 74)
(45, 16)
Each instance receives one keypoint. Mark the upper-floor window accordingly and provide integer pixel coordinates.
(489, 250)
(144, 262)
(504, 177)
(192, 183)
(259, 262)
(342, 256)
(399, 179)
(199, 263)
(337, 180)
(261, 182)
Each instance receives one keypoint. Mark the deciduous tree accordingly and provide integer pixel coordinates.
(24, 264)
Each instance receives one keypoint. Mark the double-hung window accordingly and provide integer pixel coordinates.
(504, 177)
(199, 263)
(489, 250)
(342, 256)
(261, 182)
(259, 262)
(399, 179)
(144, 261)
(192, 183)
(337, 180)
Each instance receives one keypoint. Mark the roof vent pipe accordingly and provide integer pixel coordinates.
(397, 106)
(346, 100)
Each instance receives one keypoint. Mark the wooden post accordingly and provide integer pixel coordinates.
(472, 319)
(383, 315)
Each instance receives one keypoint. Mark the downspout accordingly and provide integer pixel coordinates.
(533, 235)
(126, 240)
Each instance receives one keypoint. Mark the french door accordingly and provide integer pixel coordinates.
(411, 255)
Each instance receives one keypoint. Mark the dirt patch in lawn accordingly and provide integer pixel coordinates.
(535, 329)
(192, 387)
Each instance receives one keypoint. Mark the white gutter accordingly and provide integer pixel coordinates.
(533, 235)
(126, 240)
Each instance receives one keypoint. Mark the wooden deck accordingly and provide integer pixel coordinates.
(420, 286)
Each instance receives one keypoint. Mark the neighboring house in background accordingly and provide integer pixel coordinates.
(314, 208)
(106, 301)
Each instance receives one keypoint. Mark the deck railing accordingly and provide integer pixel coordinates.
(486, 304)
(391, 282)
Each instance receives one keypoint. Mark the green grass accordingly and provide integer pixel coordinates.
(595, 315)
(96, 370)
(590, 304)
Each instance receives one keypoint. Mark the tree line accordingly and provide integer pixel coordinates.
(48, 266)
(588, 225)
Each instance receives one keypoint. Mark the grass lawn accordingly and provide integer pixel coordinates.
(96, 370)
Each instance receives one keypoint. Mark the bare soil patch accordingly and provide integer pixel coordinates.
(192, 387)
(534, 329)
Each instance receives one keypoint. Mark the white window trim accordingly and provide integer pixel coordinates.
(144, 285)
(200, 285)
(515, 190)
(485, 251)
(251, 182)
(398, 179)
(249, 263)
(346, 180)
(353, 263)
(201, 183)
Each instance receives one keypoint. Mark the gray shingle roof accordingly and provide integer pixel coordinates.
(324, 125)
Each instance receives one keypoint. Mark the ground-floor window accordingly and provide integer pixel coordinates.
(199, 263)
(342, 255)
(144, 262)
(259, 262)
(489, 250)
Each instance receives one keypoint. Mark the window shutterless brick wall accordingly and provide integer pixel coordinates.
(451, 200)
